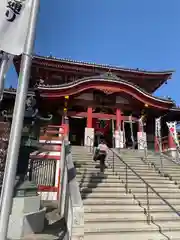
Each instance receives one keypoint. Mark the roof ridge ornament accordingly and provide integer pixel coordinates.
(109, 75)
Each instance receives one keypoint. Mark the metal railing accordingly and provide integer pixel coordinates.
(42, 172)
(148, 187)
(163, 155)
(165, 148)
(90, 143)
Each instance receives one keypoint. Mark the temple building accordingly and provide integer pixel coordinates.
(100, 101)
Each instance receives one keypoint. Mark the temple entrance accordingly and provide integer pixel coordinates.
(103, 131)
(76, 133)
(130, 130)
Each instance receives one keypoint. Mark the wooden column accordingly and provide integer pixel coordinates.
(89, 117)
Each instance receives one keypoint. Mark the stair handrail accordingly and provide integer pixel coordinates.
(70, 201)
(165, 156)
(143, 144)
(148, 186)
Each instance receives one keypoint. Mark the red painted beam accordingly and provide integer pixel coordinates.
(98, 115)
(42, 188)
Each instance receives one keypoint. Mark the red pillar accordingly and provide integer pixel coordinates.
(89, 117)
(118, 119)
(171, 143)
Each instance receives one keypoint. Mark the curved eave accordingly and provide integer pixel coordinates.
(173, 114)
(13, 92)
(175, 109)
(148, 80)
(111, 84)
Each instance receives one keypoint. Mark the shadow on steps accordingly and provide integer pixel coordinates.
(88, 189)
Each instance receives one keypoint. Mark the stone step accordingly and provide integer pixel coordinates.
(131, 184)
(127, 159)
(82, 153)
(119, 227)
(158, 201)
(148, 178)
(131, 158)
(89, 180)
(168, 225)
(126, 210)
(117, 194)
(108, 206)
(121, 216)
(114, 227)
(153, 199)
(94, 165)
(172, 235)
(82, 158)
(107, 195)
(116, 165)
(126, 236)
(113, 209)
(176, 180)
(113, 217)
(128, 201)
(110, 201)
(132, 175)
(169, 165)
(151, 181)
(172, 169)
(118, 187)
(173, 174)
(91, 163)
(110, 172)
(105, 189)
(166, 195)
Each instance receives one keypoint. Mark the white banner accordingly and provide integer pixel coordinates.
(131, 128)
(158, 127)
(141, 124)
(173, 132)
(14, 24)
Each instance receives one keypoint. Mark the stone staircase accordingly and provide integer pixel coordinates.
(110, 213)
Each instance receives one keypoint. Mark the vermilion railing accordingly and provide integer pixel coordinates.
(45, 168)
(51, 133)
(165, 142)
(165, 145)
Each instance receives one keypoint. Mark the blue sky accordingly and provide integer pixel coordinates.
(128, 33)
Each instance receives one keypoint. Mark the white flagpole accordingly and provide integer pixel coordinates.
(3, 70)
(17, 123)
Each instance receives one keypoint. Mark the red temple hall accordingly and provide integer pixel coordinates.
(101, 101)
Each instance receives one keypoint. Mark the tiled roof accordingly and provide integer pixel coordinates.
(110, 67)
